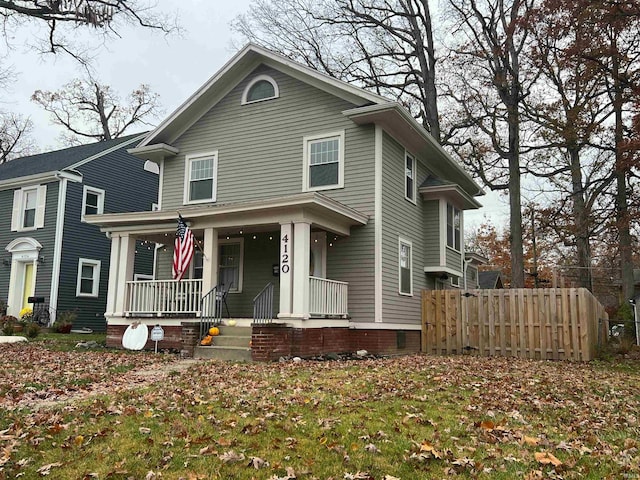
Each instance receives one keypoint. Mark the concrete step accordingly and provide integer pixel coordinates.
(231, 354)
(235, 331)
(232, 341)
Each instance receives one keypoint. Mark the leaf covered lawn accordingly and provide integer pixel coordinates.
(410, 417)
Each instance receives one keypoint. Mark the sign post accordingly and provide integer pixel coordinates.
(157, 334)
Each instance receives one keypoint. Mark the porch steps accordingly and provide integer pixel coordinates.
(233, 344)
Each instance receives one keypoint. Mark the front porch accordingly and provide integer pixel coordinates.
(185, 298)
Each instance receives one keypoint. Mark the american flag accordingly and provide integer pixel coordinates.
(183, 249)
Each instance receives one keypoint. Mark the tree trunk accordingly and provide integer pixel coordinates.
(515, 203)
(583, 248)
(622, 213)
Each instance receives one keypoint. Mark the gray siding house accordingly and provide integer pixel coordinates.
(333, 195)
(48, 248)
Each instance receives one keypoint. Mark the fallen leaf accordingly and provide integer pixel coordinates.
(46, 469)
(547, 458)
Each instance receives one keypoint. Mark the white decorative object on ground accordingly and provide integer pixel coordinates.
(12, 339)
(135, 336)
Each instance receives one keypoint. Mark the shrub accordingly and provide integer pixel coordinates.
(64, 321)
(7, 324)
(32, 330)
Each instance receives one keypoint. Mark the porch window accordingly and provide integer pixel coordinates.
(405, 271)
(92, 201)
(28, 208)
(262, 87)
(453, 227)
(323, 162)
(410, 178)
(88, 278)
(231, 263)
(201, 178)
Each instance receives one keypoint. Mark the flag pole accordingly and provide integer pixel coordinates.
(204, 255)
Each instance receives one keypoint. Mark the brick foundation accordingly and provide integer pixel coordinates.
(270, 342)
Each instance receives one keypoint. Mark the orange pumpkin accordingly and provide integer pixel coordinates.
(214, 331)
(206, 341)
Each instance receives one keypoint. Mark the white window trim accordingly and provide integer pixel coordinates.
(17, 215)
(247, 89)
(446, 227)
(404, 241)
(187, 177)
(412, 199)
(306, 143)
(96, 277)
(240, 240)
(98, 191)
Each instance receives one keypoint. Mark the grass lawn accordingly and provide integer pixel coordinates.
(411, 417)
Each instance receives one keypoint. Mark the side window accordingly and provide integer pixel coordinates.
(28, 208)
(410, 178)
(262, 87)
(88, 282)
(201, 178)
(453, 227)
(323, 162)
(405, 267)
(92, 201)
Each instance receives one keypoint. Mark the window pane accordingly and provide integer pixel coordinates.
(320, 175)
(229, 269)
(324, 151)
(87, 271)
(261, 90)
(201, 190)
(202, 169)
(405, 280)
(410, 188)
(30, 199)
(29, 218)
(86, 286)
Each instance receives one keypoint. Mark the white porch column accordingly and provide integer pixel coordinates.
(125, 261)
(286, 267)
(301, 258)
(112, 288)
(210, 260)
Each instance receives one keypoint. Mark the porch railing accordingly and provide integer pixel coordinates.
(162, 297)
(211, 310)
(263, 305)
(327, 297)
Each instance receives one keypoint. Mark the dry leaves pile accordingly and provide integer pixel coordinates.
(402, 418)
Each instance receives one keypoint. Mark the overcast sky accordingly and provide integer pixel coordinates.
(174, 67)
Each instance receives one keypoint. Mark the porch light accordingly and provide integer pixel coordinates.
(254, 237)
(270, 237)
(331, 244)
(240, 232)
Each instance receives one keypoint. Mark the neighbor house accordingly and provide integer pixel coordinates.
(48, 249)
(320, 211)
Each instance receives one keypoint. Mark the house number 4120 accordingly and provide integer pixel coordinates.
(284, 261)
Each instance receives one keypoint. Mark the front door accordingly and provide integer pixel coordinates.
(318, 255)
(28, 284)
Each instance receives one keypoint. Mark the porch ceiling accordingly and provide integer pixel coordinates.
(254, 215)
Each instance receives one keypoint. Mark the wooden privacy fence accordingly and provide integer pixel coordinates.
(542, 323)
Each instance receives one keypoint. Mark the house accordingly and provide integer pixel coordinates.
(48, 248)
(490, 279)
(472, 261)
(320, 212)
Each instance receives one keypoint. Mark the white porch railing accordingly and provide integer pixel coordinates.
(327, 297)
(162, 297)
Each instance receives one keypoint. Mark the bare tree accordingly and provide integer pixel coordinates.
(386, 46)
(489, 91)
(61, 16)
(87, 109)
(15, 138)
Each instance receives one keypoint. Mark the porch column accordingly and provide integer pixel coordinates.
(286, 267)
(301, 258)
(124, 260)
(112, 287)
(210, 260)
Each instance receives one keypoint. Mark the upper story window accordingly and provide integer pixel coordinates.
(405, 270)
(28, 208)
(92, 201)
(323, 162)
(201, 178)
(453, 227)
(410, 178)
(262, 87)
(88, 281)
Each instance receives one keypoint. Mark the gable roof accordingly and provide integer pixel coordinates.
(57, 160)
(236, 69)
(491, 279)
